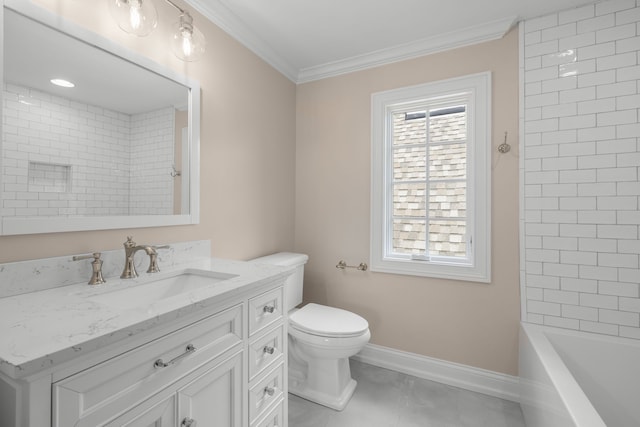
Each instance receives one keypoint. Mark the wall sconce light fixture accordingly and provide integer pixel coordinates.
(140, 17)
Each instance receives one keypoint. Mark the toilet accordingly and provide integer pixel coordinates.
(321, 340)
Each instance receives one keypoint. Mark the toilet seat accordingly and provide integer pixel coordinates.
(320, 320)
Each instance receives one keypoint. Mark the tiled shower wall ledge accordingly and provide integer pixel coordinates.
(580, 168)
(40, 274)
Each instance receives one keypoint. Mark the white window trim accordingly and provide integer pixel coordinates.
(479, 178)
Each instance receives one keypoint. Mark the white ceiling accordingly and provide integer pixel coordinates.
(308, 40)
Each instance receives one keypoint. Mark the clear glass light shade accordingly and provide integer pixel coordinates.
(188, 43)
(138, 17)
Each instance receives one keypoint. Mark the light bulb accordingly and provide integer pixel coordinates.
(134, 14)
(188, 42)
(137, 17)
(187, 45)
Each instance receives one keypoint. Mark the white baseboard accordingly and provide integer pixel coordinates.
(454, 374)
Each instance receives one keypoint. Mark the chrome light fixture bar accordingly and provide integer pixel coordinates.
(140, 17)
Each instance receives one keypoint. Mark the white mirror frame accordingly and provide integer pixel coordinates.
(16, 226)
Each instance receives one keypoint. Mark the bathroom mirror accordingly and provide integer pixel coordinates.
(119, 149)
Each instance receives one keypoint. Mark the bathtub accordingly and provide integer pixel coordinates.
(570, 378)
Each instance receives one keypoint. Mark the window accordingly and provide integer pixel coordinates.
(431, 179)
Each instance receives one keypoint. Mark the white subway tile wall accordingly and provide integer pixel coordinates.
(66, 158)
(581, 168)
(152, 155)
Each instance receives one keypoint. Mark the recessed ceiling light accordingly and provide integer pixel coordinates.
(62, 82)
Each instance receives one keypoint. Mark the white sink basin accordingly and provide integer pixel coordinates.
(154, 291)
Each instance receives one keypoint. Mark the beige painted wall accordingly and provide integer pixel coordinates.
(247, 147)
(471, 323)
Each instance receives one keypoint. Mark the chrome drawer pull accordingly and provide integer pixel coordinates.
(269, 309)
(268, 349)
(160, 364)
(189, 422)
(269, 390)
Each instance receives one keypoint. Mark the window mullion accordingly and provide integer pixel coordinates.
(427, 187)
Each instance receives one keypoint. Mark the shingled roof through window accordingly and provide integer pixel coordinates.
(447, 184)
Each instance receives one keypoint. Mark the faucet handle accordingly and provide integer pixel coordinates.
(96, 265)
(82, 257)
(153, 259)
(129, 243)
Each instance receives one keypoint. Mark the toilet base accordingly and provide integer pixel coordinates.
(334, 402)
(319, 368)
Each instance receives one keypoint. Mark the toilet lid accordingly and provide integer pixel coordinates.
(326, 321)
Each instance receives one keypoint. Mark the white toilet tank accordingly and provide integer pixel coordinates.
(293, 285)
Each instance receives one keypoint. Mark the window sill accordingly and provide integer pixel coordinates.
(462, 272)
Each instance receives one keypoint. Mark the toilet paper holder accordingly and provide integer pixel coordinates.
(342, 265)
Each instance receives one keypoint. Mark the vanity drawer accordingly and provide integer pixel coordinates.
(264, 310)
(266, 392)
(126, 380)
(265, 350)
(275, 418)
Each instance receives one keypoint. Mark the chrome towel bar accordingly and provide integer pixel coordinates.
(342, 265)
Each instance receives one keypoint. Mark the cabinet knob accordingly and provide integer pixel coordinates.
(269, 391)
(189, 422)
(269, 309)
(268, 349)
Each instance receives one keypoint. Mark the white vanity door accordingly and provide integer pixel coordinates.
(161, 414)
(214, 399)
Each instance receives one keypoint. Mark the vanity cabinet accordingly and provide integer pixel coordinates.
(91, 398)
(221, 366)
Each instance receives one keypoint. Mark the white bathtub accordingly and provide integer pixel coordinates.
(570, 378)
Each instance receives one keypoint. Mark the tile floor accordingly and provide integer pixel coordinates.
(387, 398)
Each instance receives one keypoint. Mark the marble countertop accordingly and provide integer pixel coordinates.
(42, 329)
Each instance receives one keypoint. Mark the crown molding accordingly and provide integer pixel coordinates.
(472, 35)
(219, 14)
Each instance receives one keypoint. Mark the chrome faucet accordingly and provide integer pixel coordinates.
(130, 249)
